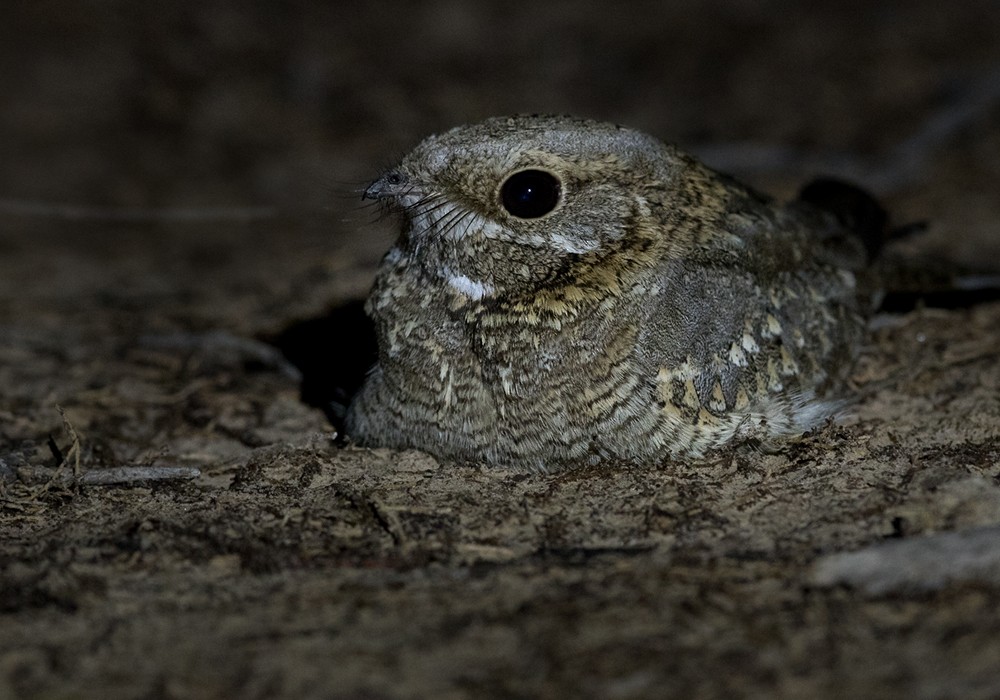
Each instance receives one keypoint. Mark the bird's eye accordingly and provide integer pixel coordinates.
(529, 194)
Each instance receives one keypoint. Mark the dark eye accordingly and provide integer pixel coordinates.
(529, 194)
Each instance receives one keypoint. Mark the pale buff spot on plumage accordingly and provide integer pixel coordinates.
(690, 398)
(717, 402)
(704, 419)
(737, 356)
(681, 373)
(772, 328)
(664, 390)
(718, 364)
(685, 370)
(742, 399)
(749, 343)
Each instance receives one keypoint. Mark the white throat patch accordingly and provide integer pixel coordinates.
(466, 286)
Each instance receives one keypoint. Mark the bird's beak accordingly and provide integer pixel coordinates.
(390, 184)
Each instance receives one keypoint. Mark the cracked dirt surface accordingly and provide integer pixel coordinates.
(169, 201)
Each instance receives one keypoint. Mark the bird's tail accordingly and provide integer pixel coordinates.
(854, 208)
(905, 281)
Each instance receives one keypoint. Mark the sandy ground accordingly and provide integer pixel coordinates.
(178, 190)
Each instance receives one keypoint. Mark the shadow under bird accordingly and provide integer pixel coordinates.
(567, 292)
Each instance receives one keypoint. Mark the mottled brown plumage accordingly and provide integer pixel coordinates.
(620, 301)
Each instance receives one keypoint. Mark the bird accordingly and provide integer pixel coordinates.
(567, 292)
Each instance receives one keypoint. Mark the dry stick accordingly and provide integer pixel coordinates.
(124, 475)
(103, 477)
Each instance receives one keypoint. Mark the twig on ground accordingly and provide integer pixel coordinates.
(104, 477)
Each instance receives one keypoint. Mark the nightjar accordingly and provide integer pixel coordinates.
(568, 292)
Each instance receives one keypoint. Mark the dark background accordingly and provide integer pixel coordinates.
(261, 103)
